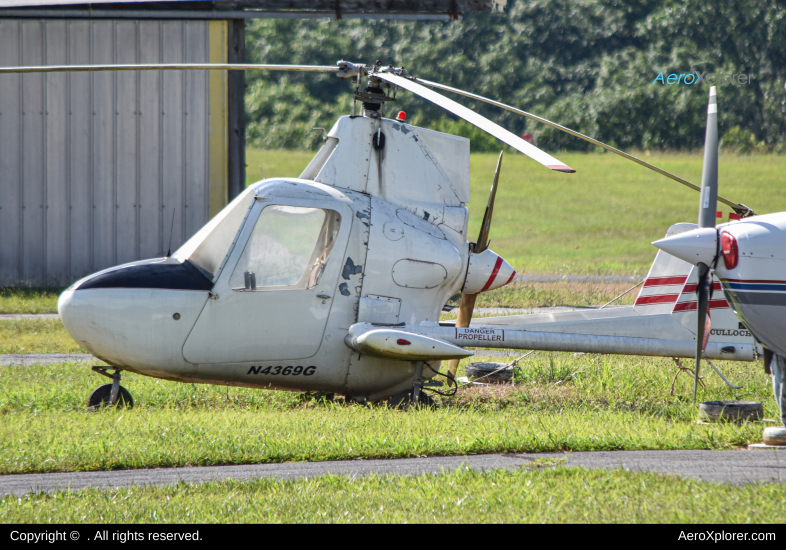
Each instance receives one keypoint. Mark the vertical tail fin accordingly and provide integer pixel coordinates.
(665, 281)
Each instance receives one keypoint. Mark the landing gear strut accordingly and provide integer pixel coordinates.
(109, 395)
(417, 384)
(414, 397)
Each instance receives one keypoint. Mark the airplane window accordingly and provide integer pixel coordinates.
(289, 247)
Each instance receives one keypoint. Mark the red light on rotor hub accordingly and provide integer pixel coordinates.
(733, 216)
(402, 342)
(729, 248)
(402, 116)
(718, 214)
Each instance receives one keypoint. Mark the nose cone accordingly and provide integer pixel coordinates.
(487, 271)
(696, 246)
(76, 318)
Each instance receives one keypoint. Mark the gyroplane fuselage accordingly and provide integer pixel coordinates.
(265, 294)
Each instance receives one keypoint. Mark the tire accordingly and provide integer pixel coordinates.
(102, 397)
(486, 373)
(735, 411)
(403, 400)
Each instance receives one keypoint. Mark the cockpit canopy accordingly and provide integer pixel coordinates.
(288, 247)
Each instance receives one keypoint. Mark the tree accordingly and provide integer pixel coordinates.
(587, 64)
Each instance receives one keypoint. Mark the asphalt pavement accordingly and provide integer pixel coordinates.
(733, 467)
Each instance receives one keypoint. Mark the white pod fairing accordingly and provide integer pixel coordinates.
(404, 346)
(487, 271)
(695, 246)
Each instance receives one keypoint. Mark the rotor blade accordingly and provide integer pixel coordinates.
(485, 227)
(708, 203)
(740, 209)
(172, 67)
(702, 299)
(480, 121)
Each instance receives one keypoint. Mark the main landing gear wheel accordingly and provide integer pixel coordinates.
(102, 397)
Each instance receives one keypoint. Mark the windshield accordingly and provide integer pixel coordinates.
(208, 247)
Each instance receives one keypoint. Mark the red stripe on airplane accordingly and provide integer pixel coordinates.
(659, 281)
(497, 265)
(691, 306)
(662, 299)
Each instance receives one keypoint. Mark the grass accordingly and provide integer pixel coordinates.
(29, 300)
(36, 336)
(551, 495)
(561, 403)
(600, 220)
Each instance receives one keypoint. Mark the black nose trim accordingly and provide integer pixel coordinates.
(160, 273)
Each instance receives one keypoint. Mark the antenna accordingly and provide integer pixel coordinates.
(171, 227)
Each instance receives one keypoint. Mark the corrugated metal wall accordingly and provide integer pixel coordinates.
(92, 165)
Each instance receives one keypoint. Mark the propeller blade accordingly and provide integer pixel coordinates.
(702, 298)
(467, 307)
(708, 204)
(474, 118)
(740, 209)
(172, 67)
(485, 226)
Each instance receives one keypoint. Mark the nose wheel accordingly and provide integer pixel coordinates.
(109, 395)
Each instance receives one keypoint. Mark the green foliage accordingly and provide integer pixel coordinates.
(480, 141)
(284, 114)
(742, 142)
(588, 65)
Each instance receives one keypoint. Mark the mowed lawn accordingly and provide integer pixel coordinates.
(600, 220)
(532, 495)
(560, 402)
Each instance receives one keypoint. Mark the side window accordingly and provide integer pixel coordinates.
(288, 248)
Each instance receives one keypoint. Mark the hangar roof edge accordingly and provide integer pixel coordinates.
(247, 9)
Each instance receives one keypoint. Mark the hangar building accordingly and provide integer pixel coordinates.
(95, 168)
